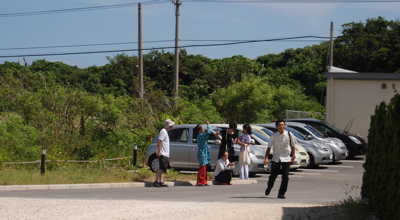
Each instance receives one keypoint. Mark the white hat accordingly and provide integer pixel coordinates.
(168, 123)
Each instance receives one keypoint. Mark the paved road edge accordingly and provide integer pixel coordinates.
(111, 185)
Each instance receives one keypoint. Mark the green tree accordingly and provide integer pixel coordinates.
(287, 98)
(245, 102)
(197, 111)
(380, 179)
(301, 69)
(370, 47)
(121, 76)
(19, 142)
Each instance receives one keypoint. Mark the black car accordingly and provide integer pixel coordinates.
(355, 144)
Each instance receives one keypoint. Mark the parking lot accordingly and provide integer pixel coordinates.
(322, 185)
(308, 189)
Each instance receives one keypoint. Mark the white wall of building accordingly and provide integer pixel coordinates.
(354, 96)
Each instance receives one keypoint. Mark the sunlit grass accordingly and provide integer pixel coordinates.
(74, 175)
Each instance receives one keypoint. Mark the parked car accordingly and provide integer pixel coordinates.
(318, 152)
(338, 148)
(261, 142)
(304, 158)
(356, 145)
(183, 151)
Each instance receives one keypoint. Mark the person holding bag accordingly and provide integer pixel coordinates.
(283, 144)
(244, 156)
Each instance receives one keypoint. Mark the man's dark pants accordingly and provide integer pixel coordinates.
(276, 168)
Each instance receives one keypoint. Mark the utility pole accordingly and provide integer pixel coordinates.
(140, 55)
(177, 3)
(331, 47)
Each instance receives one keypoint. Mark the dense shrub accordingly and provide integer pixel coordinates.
(381, 181)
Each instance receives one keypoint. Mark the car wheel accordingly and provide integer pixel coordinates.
(154, 163)
(252, 174)
(333, 158)
(350, 155)
(311, 164)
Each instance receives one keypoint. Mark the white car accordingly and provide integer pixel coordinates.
(319, 152)
(261, 142)
(304, 158)
(338, 148)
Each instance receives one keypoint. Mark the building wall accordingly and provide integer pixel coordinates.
(349, 99)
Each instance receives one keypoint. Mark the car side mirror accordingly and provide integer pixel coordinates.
(252, 141)
(309, 137)
(217, 142)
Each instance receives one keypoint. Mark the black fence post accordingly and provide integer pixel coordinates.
(43, 161)
(134, 155)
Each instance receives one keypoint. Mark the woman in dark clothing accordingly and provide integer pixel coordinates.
(228, 138)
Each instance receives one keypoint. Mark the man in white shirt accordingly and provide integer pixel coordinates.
(163, 153)
(284, 153)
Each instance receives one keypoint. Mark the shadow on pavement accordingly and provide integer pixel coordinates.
(316, 212)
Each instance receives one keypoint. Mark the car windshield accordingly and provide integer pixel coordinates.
(259, 135)
(273, 130)
(314, 131)
(333, 127)
(267, 131)
(297, 134)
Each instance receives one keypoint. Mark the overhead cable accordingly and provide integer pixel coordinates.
(68, 10)
(170, 47)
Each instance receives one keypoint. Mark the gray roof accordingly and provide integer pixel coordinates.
(366, 76)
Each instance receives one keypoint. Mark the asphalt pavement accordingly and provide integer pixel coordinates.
(322, 185)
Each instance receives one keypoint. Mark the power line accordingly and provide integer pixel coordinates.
(169, 47)
(122, 43)
(295, 1)
(79, 45)
(182, 40)
(69, 10)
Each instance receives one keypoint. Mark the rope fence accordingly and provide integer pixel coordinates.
(72, 161)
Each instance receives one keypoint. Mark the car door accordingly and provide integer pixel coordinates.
(179, 147)
(214, 150)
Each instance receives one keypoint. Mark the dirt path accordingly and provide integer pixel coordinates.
(22, 208)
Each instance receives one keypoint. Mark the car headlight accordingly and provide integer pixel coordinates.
(320, 147)
(355, 140)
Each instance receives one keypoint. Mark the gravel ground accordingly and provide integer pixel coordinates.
(23, 208)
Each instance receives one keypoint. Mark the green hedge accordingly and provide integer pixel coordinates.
(381, 179)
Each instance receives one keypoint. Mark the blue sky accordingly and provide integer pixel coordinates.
(211, 20)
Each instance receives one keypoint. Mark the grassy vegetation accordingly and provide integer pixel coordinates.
(75, 174)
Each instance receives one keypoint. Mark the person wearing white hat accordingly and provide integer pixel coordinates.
(163, 153)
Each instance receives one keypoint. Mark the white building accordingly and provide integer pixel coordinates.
(353, 96)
